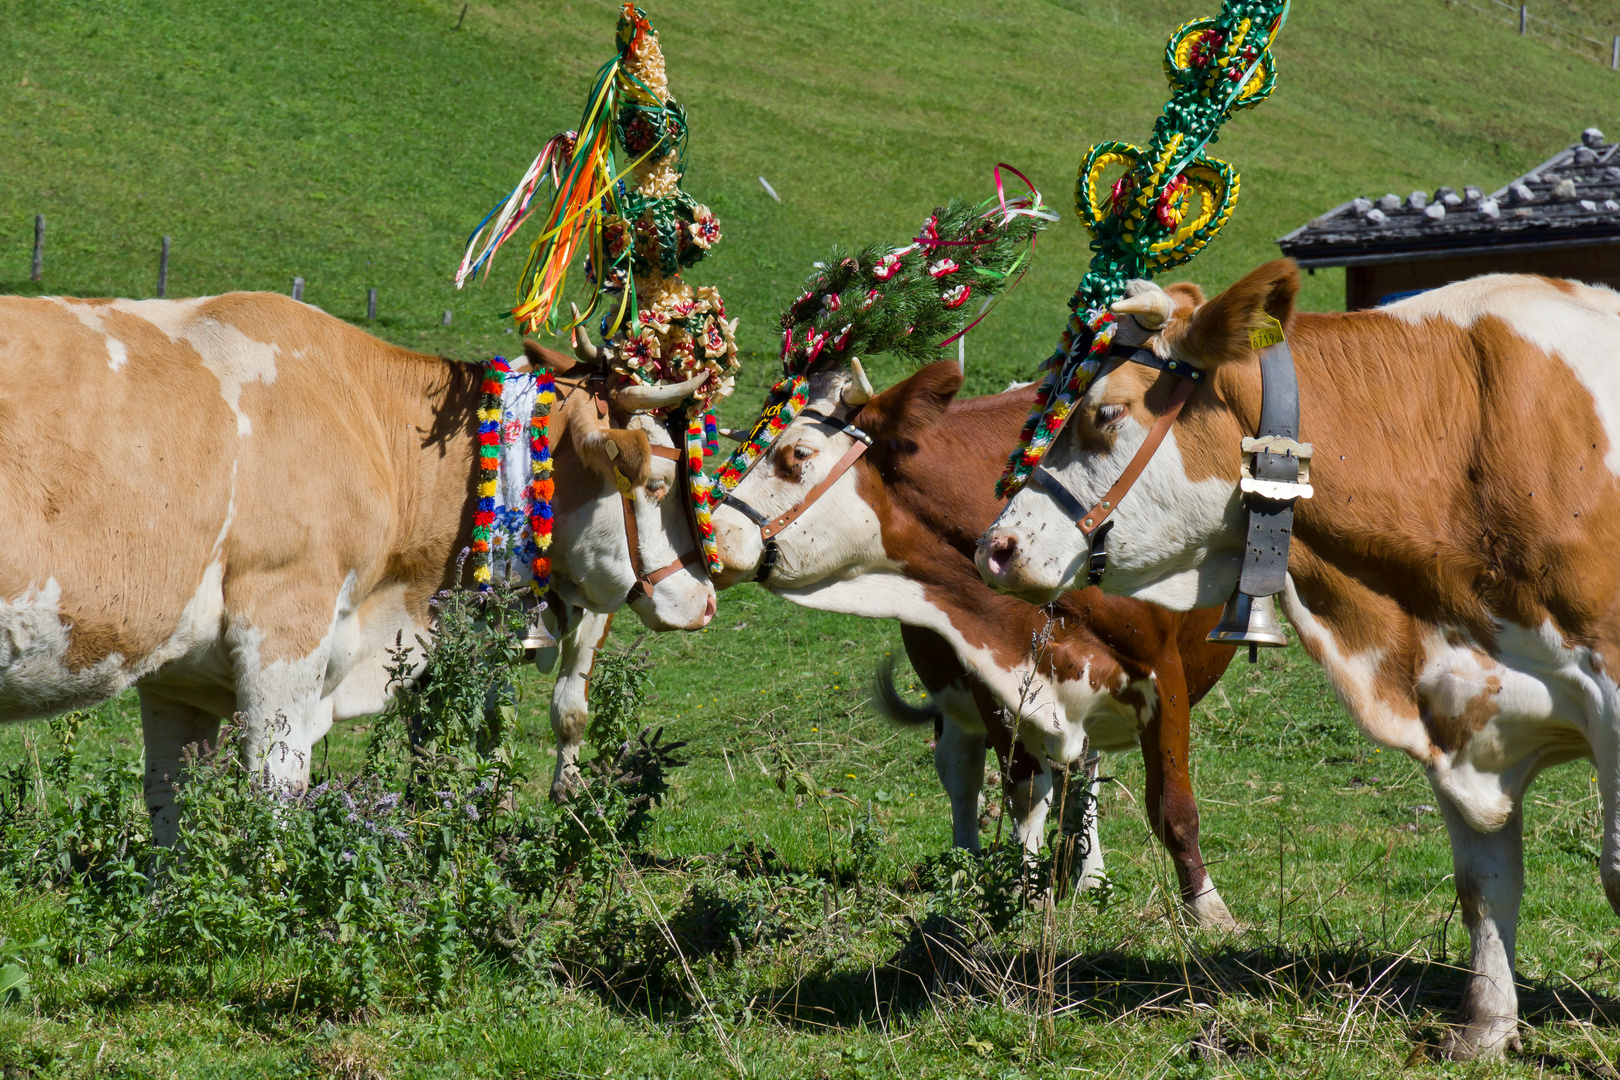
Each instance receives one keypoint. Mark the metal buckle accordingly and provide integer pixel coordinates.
(1277, 490)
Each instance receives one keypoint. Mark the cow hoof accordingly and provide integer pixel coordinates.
(1212, 915)
(1485, 1040)
(1209, 912)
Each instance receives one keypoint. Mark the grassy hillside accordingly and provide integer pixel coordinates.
(355, 144)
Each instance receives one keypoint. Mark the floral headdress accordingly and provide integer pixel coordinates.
(617, 195)
(903, 300)
(1164, 205)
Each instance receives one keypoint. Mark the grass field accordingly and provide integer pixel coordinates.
(356, 144)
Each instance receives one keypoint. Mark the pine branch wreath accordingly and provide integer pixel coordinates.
(912, 301)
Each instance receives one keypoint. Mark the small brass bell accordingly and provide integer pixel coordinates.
(1249, 620)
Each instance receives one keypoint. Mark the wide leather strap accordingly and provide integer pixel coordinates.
(1271, 521)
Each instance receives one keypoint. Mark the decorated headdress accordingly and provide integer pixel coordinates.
(617, 196)
(911, 301)
(1163, 206)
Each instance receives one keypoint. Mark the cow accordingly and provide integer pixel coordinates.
(1454, 572)
(893, 538)
(235, 504)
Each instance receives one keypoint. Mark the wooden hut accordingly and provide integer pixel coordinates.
(1561, 219)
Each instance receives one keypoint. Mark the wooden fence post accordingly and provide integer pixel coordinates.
(38, 272)
(1524, 18)
(1614, 56)
(163, 269)
(371, 304)
(298, 288)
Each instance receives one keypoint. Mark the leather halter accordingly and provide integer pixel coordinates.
(770, 527)
(644, 581)
(1276, 467)
(1094, 523)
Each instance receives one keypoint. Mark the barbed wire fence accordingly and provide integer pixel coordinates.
(1529, 23)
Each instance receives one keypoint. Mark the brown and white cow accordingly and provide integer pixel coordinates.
(893, 538)
(1456, 573)
(235, 503)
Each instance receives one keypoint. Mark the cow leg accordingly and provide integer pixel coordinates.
(959, 762)
(1172, 811)
(962, 733)
(1081, 799)
(570, 697)
(167, 728)
(559, 618)
(283, 701)
(1490, 881)
(1029, 789)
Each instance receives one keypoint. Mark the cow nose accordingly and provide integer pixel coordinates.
(999, 553)
(708, 611)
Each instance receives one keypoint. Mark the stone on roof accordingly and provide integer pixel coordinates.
(1571, 199)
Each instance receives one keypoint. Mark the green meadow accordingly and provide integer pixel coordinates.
(356, 144)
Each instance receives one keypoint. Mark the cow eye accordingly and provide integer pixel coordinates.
(657, 488)
(803, 452)
(1109, 414)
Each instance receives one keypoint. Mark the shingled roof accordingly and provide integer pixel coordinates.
(1571, 200)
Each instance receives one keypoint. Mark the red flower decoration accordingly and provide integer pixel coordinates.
(1171, 208)
(1120, 196)
(1203, 50)
(955, 298)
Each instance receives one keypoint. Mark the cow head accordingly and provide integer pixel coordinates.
(840, 531)
(590, 545)
(1177, 537)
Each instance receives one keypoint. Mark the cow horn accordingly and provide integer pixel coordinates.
(734, 434)
(859, 392)
(1151, 306)
(644, 398)
(584, 347)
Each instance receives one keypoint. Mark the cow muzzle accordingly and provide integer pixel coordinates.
(1004, 564)
(683, 601)
(739, 546)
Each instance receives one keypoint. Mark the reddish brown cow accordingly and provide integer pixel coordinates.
(894, 538)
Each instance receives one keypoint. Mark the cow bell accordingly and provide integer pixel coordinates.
(1249, 620)
(538, 637)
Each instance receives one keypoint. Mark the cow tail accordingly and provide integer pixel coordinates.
(892, 704)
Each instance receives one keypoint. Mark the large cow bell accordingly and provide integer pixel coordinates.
(1249, 620)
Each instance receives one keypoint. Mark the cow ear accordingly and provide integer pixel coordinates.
(606, 449)
(1218, 331)
(903, 414)
(541, 357)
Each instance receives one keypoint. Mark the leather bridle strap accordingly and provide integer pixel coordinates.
(769, 528)
(1094, 523)
(644, 581)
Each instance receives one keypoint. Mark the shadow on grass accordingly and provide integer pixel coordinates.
(937, 963)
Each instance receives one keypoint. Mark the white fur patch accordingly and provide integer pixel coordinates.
(233, 357)
(90, 315)
(34, 677)
(1580, 329)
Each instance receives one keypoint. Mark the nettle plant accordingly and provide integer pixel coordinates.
(391, 884)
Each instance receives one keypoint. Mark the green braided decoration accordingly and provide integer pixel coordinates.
(1164, 205)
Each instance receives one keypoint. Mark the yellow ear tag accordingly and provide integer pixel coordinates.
(1269, 333)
